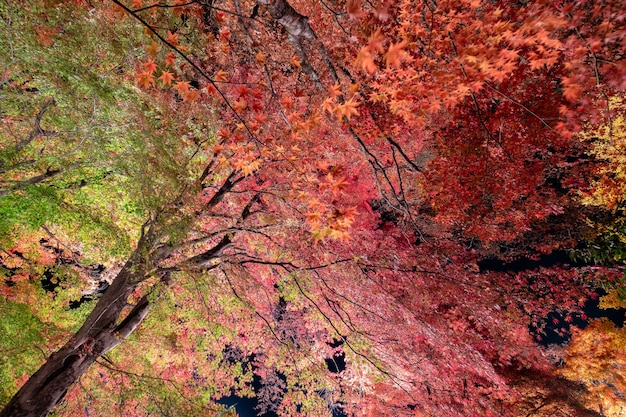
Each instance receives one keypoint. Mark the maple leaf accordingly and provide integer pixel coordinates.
(166, 78)
(149, 66)
(571, 89)
(217, 148)
(335, 90)
(240, 105)
(295, 61)
(191, 96)
(182, 87)
(286, 102)
(224, 34)
(145, 79)
(260, 118)
(221, 76)
(337, 233)
(314, 218)
(153, 49)
(396, 54)
(329, 105)
(347, 109)
(211, 90)
(172, 38)
(170, 59)
(365, 61)
(375, 42)
(336, 183)
(250, 168)
(260, 58)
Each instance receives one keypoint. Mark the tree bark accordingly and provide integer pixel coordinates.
(298, 29)
(106, 326)
(101, 332)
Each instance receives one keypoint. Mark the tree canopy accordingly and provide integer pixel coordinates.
(298, 201)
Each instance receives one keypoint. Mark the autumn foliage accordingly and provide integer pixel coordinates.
(314, 180)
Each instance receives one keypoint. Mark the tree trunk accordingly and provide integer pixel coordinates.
(101, 332)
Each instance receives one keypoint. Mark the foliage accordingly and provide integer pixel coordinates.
(595, 357)
(21, 345)
(606, 193)
(66, 114)
(303, 188)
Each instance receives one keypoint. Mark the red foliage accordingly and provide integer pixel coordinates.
(425, 136)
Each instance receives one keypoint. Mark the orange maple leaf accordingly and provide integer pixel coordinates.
(218, 148)
(166, 78)
(221, 76)
(335, 90)
(347, 109)
(375, 42)
(182, 87)
(571, 90)
(286, 102)
(172, 38)
(364, 59)
(149, 66)
(328, 105)
(314, 218)
(145, 79)
(396, 54)
(240, 105)
(191, 96)
(248, 168)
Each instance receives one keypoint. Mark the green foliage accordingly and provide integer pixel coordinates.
(64, 84)
(21, 346)
(119, 153)
(29, 209)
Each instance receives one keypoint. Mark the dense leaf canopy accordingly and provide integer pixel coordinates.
(299, 201)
